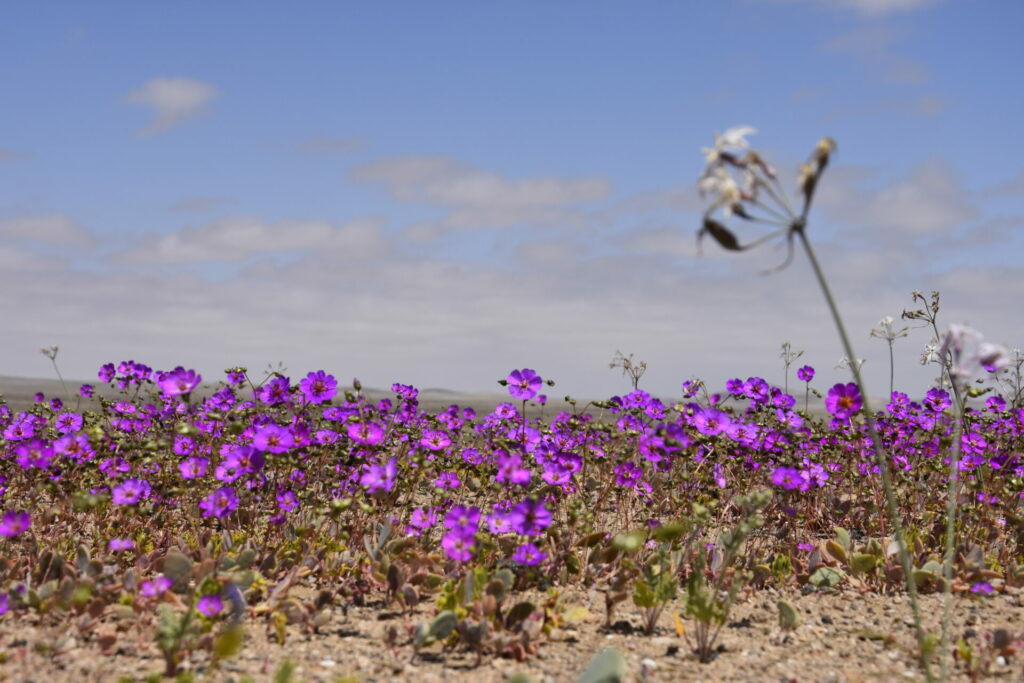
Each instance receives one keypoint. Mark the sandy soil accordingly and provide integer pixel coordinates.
(841, 636)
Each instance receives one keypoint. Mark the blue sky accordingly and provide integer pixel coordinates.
(436, 193)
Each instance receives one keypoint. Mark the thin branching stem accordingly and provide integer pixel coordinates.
(880, 457)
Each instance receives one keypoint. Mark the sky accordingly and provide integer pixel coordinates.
(437, 193)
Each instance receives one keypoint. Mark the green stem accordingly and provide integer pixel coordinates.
(880, 457)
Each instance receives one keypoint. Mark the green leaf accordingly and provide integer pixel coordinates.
(629, 542)
(443, 625)
(788, 617)
(229, 642)
(843, 538)
(861, 563)
(178, 566)
(607, 666)
(669, 532)
(643, 595)
(826, 577)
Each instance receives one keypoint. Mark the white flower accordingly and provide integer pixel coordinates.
(967, 353)
(50, 351)
(733, 138)
(720, 182)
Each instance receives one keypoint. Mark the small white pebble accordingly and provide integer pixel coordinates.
(327, 662)
(1001, 661)
(648, 665)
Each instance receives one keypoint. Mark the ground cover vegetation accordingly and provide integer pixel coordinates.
(268, 503)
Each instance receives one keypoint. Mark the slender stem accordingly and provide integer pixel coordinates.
(947, 560)
(892, 371)
(880, 457)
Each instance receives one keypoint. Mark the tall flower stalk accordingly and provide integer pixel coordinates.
(758, 197)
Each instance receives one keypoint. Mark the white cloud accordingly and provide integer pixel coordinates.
(197, 204)
(872, 8)
(876, 45)
(930, 200)
(445, 182)
(329, 145)
(415, 317)
(57, 229)
(879, 7)
(172, 101)
(236, 238)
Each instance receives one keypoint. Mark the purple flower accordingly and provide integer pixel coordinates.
(68, 422)
(193, 467)
(528, 554)
(118, 545)
(435, 440)
(275, 391)
(981, 588)
(210, 605)
(287, 501)
(461, 517)
(273, 438)
(86, 390)
(367, 433)
(318, 387)
(219, 503)
(14, 523)
(711, 421)
(447, 480)
(106, 372)
(157, 586)
(805, 374)
(530, 518)
(379, 478)
(843, 400)
(937, 400)
(458, 547)
(420, 520)
(788, 478)
(131, 491)
(523, 384)
(178, 381)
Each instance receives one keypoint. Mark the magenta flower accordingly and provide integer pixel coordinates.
(528, 554)
(523, 384)
(318, 387)
(68, 422)
(220, 503)
(805, 374)
(193, 467)
(273, 438)
(119, 545)
(210, 605)
(530, 518)
(937, 400)
(367, 433)
(379, 478)
(447, 480)
(287, 501)
(157, 586)
(14, 523)
(106, 372)
(457, 546)
(178, 381)
(130, 492)
(788, 478)
(462, 517)
(711, 421)
(86, 390)
(275, 391)
(435, 440)
(843, 400)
